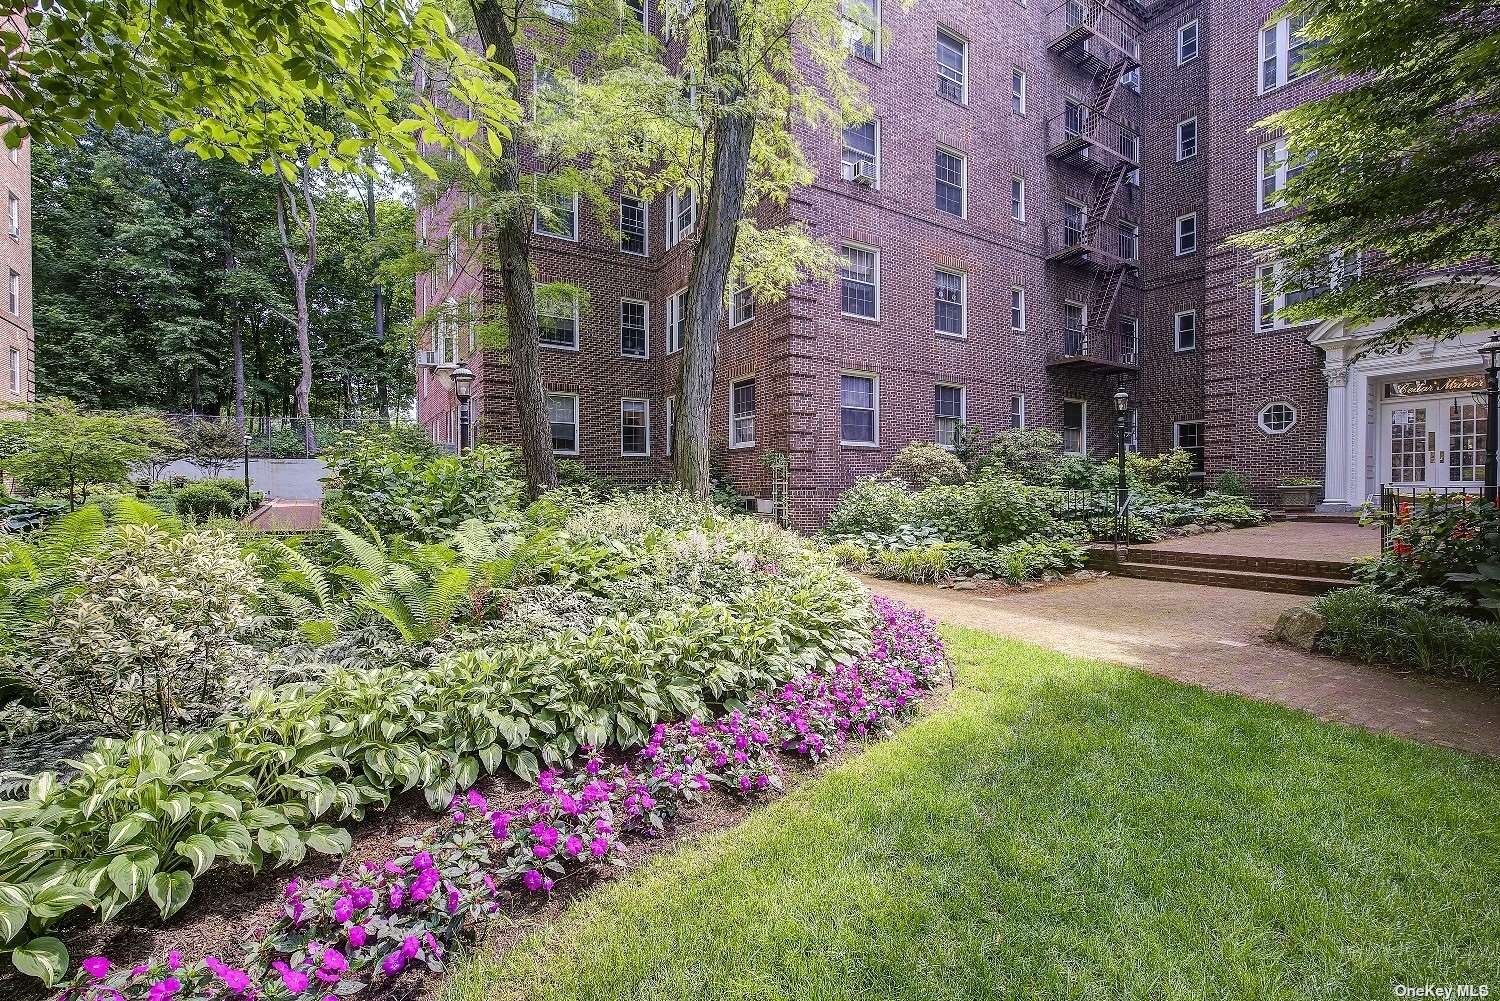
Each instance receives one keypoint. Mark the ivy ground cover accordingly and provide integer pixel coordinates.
(1062, 828)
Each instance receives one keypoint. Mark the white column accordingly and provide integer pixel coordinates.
(1339, 492)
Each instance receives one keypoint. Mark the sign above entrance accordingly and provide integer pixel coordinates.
(1427, 387)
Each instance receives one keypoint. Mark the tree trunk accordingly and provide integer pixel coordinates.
(382, 391)
(512, 236)
(733, 133)
(306, 221)
(237, 346)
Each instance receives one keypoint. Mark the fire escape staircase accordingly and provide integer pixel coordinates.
(1091, 35)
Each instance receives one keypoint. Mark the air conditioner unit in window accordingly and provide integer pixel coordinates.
(426, 359)
(864, 173)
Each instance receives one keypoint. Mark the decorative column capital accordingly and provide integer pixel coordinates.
(1336, 375)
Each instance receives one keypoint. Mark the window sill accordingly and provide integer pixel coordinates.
(634, 455)
(565, 454)
(738, 446)
(558, 347)
(636, 253)
(859, 444)
(944, 335)
(862, 319)
(627, 357)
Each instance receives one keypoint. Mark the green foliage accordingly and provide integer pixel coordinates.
(146, 634)
(871, 506)
(421, 495)
(988, 512)
(923, 464)
(1030, 454)
(204, 499)
(1441, 541)
(62, 449)
(1398, 173)
(1232, 483)
(1418, 631)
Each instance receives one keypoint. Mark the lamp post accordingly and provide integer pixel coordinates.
(1122, 490)
(1490, 352)
(463, 384)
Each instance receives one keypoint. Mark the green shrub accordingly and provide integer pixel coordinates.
(420, 495)
(987, 512)
(849, 554)
(921, 565)
(1230, 482)
(204, 499)
(923, 464)
(1028, 454)
(871, 506)
(1434, 540)
(1413, 631)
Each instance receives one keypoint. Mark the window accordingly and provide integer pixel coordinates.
(952, 66)
(557, 215)
(1187, 139)
(950, 289)
(562, 414)
(635, 338)
(859, 410)
(1275, 292)
(13, 215)
(1018, 199)
(1075, 118)
(1277, 418)
(1075, 218)
(1075, 437)
(634, 226)
(676, 321)
(559, 10)
(1187, 234)
(862, 28)
(950, 182)
(862, 153)
(557, 321)
(551, 99)
(948, 414)
(1282, 54)
(635, 427)
(671, 422)
(15, 371)
(452, 254)
(1185, 331)
(1133, 429)
(1075, 323)
(742, 414)
(1130, 339)
(1187, 42)
(1129, 241)
(1018, 91)
(1132, 79)
(1017, 308)
(1188, 436)
(860, 277)
(14, 300)
(682, 215)
(1017, 411)
(638, 8)
(1276, 169)
(741, 307)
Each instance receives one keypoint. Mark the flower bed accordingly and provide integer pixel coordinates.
(339, 937)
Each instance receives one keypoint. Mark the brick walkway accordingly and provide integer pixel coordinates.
(286, 516)
(1215, 638)
(1303, 540)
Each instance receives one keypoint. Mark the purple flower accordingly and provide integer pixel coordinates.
(410, 946)
(96, 967)
(334, 961)
(174, 961)
(598, 847)
(294, 981)
(574, 845)
(343, 910)
(358, 936)
(393, 963)
(422, 860)
(532, 880)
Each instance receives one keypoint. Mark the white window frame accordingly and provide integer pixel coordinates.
(875, 404)
(1134, 344)
(577, 333)
(963, 303)
(1279, 36)
(846, 164)
(13, 296)
(676, 231)
(1017, 415)
(1181, 35)
(856, 26)
(560, 11)
(1177, 331)
(963, 50)
(577, 421)
(1017, 91)
(646, 411)
(676, 316)
(1178, 232)
(1083, 425)
(875, 275)
(738, 315)
(645, 250)
(737, 439)
(963, 181)
(1017, 198)
(1272, 162)
(1269, 275)
(645, 14)
(15, 371)
(1260, 418)
(963, 414)
(536, 223)
(1018, 308)
(1184, 152)
(646, 317)
(1132, 231)
(13, 215)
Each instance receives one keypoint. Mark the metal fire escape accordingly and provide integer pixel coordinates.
(1084, 137)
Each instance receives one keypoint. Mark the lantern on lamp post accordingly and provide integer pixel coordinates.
(463, 387)
(1122, 488)
(1490, 352)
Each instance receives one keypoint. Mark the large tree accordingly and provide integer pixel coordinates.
(1400, 176)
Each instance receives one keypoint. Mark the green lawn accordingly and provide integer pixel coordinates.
(1063, 828)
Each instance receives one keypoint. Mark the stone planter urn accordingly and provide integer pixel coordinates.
(1299, 496)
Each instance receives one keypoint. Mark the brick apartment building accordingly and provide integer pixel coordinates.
(16, 338)
(1037, 216)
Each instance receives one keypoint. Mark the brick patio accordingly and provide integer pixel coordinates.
(1342, 542)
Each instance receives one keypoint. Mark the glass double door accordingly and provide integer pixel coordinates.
(1435, 443)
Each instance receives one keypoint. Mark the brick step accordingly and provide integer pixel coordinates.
(1281, 566)
(1249, 581)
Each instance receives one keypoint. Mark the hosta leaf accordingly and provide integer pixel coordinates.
(199, 850)
(524, 764)
(55, 901)
(44, 958)
(130, 872)
(122, 831)
(12, 919)
(329, 840)
(170, 890)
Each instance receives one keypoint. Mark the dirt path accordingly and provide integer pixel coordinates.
(1216, 638)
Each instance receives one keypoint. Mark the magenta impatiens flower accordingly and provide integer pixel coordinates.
(96, 967)
(358, 936)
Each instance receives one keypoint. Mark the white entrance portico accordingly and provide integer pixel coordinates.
(1406, 419)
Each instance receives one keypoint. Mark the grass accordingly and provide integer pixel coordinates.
(1061, 828)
